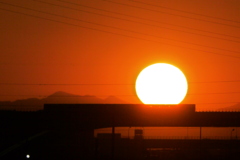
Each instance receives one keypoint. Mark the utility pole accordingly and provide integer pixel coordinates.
(113, 136)
(200, 137)
(113, 142)
(236, 134)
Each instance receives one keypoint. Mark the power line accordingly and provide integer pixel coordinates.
(215, 102)
(116, 95)
(151, 20)
(197, 103)
(224, 81)
(77, 25)
(142, 19)
(84, 96)
(170, 13)
(79, 96)
(184, 11)
(119, 28)
(114, 33)
(60, 84)
(214, 93)
(115, 84)
(139, 18)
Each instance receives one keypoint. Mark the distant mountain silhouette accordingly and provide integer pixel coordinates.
(235, 107)
(113, 100)
(34, 104)
(66, 98)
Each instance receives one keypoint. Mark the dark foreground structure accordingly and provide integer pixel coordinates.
(93, 116)
(65, 131)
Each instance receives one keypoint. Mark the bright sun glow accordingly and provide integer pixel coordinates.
(161, 83)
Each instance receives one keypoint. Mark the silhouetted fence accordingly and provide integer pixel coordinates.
(219, 111)
(186, 137)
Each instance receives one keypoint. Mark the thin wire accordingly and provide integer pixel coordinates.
(109, 95)
(216, 102)
(184, 11)
(207, 103)
(225, 81)
(51, 96)
(214, 93)
(88, 84)
(81, 26)
(118, 28)
(61, 84)
(116, 33)
(128, 15)
(141, 19)
(171, 14)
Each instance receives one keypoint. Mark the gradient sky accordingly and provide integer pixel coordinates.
(106, 43)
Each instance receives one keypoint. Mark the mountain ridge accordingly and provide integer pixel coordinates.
(235, 107)
(59, 97)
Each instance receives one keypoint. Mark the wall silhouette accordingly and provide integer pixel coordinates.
(93, 116)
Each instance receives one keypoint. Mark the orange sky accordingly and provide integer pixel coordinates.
(110, 42)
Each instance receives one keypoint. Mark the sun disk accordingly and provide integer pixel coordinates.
(161, 83)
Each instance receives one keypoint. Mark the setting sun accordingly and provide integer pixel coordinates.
(161, 83)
